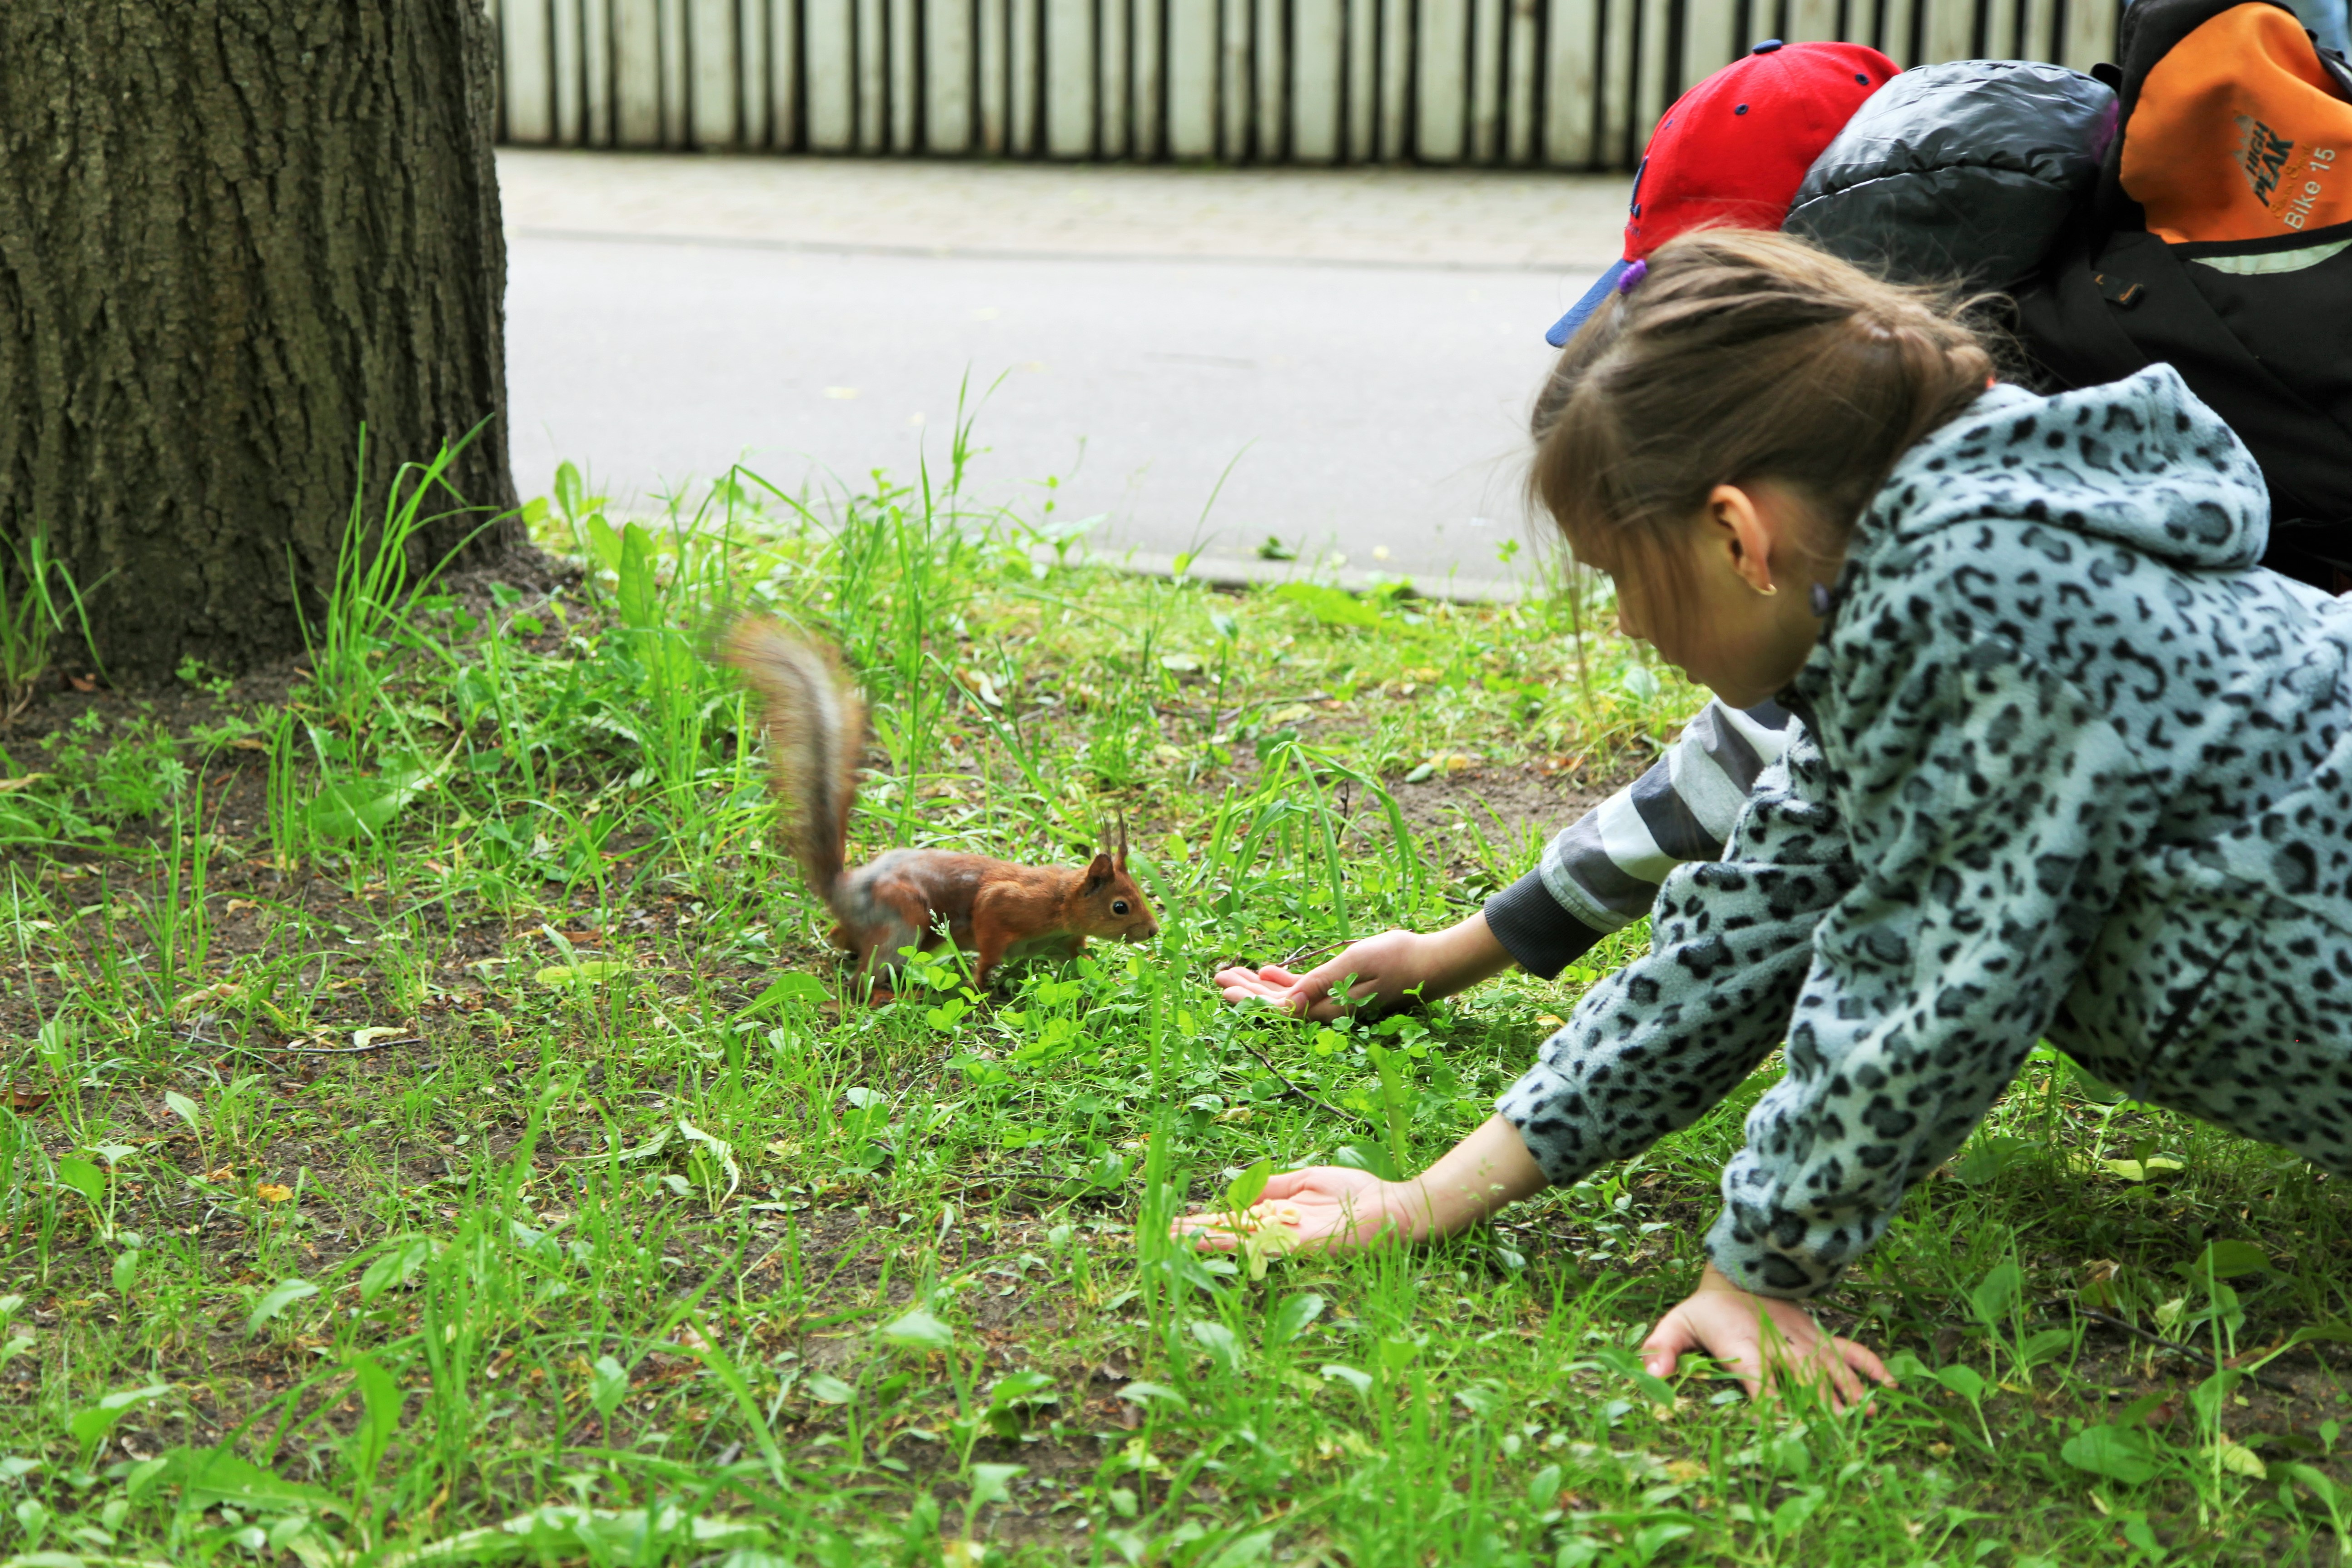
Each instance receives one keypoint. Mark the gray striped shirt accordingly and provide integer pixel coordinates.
(1603, 871)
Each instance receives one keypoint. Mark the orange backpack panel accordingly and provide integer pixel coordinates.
(2240, 133)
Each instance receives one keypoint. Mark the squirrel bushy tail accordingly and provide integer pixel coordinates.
(816, 732)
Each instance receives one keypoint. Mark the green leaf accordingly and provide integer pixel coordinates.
(1361, 1382)
(2118, 1453)
(396, 1265)
(1997, 1294)
(90, 1427)
(605, 544)
(568, 488)
(1988, 1156)
(349, 811)
(1223, 1347)
(1628, 1365)
(608, 1385)
(1543, 1490)
(828, 1389)
(276, 1300)
(588, 970)
(1965, 1381)
(181, 1106)
(83, 1176)
(783, 988)
(1367, 1157)
(380, 1401)
(214, 1478)
(1022, 1388)
(993, 1483)
(918, 1330)
(1245, 1188)
(1152, 1393)
(2228, 1259)
(1292, 1317)
(639, 599)
(1331, 606)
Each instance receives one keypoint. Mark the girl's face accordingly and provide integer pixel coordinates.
(1736, 613)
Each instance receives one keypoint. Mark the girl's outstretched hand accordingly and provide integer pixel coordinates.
(1324, 1208)
(1731, 1325)
(1376, 973)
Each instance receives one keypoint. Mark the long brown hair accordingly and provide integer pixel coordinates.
(1742, 356)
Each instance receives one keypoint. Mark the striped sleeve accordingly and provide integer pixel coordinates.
(1603, 871)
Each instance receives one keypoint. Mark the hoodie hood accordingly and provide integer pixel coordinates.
(2138, 462)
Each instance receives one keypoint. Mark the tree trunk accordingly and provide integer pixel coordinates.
(231, 232)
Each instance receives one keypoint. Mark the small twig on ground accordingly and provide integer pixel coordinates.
(2203, 1358)
(340, 1050)
(1290, 1087)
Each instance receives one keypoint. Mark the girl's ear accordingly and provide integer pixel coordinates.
(1741, 529)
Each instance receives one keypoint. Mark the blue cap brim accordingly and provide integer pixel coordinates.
(1565, 328)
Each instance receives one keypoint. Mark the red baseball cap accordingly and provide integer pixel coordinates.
(1732, 150)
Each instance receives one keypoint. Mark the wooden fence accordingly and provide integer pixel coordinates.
(1570, 84)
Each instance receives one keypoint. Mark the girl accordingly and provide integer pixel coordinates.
(2066, 765)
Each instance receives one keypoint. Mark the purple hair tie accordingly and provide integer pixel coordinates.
(1633, 275)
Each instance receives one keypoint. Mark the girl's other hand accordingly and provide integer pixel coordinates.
(1729, 1324)
(1387, 968)
(1324, 1208)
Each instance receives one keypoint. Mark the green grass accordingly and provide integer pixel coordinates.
(426, 1115)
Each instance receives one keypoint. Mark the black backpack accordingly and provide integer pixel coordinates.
(2258, 324)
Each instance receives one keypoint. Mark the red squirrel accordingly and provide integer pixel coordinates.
(995, 909)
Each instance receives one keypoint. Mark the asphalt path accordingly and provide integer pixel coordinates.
(1369, 415)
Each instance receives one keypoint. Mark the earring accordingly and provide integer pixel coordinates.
(1769, 589)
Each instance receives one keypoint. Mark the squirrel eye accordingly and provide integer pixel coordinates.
(1118, 905)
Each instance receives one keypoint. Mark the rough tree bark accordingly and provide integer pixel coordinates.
(230, 232)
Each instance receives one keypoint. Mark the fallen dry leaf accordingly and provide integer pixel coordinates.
(271, 1192)
(238, 906)
(81, 682)
(248, 743)
(10, 786)
(219, 1173)
(16, 1099)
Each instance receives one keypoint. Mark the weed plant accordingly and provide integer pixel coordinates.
(426, 1134)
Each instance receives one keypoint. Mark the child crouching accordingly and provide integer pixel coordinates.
(2067, 765)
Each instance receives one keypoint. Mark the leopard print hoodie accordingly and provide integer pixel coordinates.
(2071, 766)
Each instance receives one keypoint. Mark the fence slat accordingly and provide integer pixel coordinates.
(1523, 73)
(1950, 33)
(1318, 78)
(1234, 97)
(1442, 89)
(1622, 140)
(1360, 49)
(1708, 42)
(2039, 24)
(870, 21)
(1270, 63)
(783, 74)
(1486, 81)
(1069, 67)
(528, 54)
(1571, 54)
(596, 73)
(1812, 21)
(1028, 77)
(831, 40)
(995, 50)
(948, 71)
(1193, 78)
(710, 72)
(1655, 74)
(1396, 76)
(1151, 80)
(2090, 34)
(906, 75)
(751, 73)
(1116, 51)
(674, 87)
(569, 75)
(636, 73)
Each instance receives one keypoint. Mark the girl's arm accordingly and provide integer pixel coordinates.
(1343, 1209)
(1386, 968)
